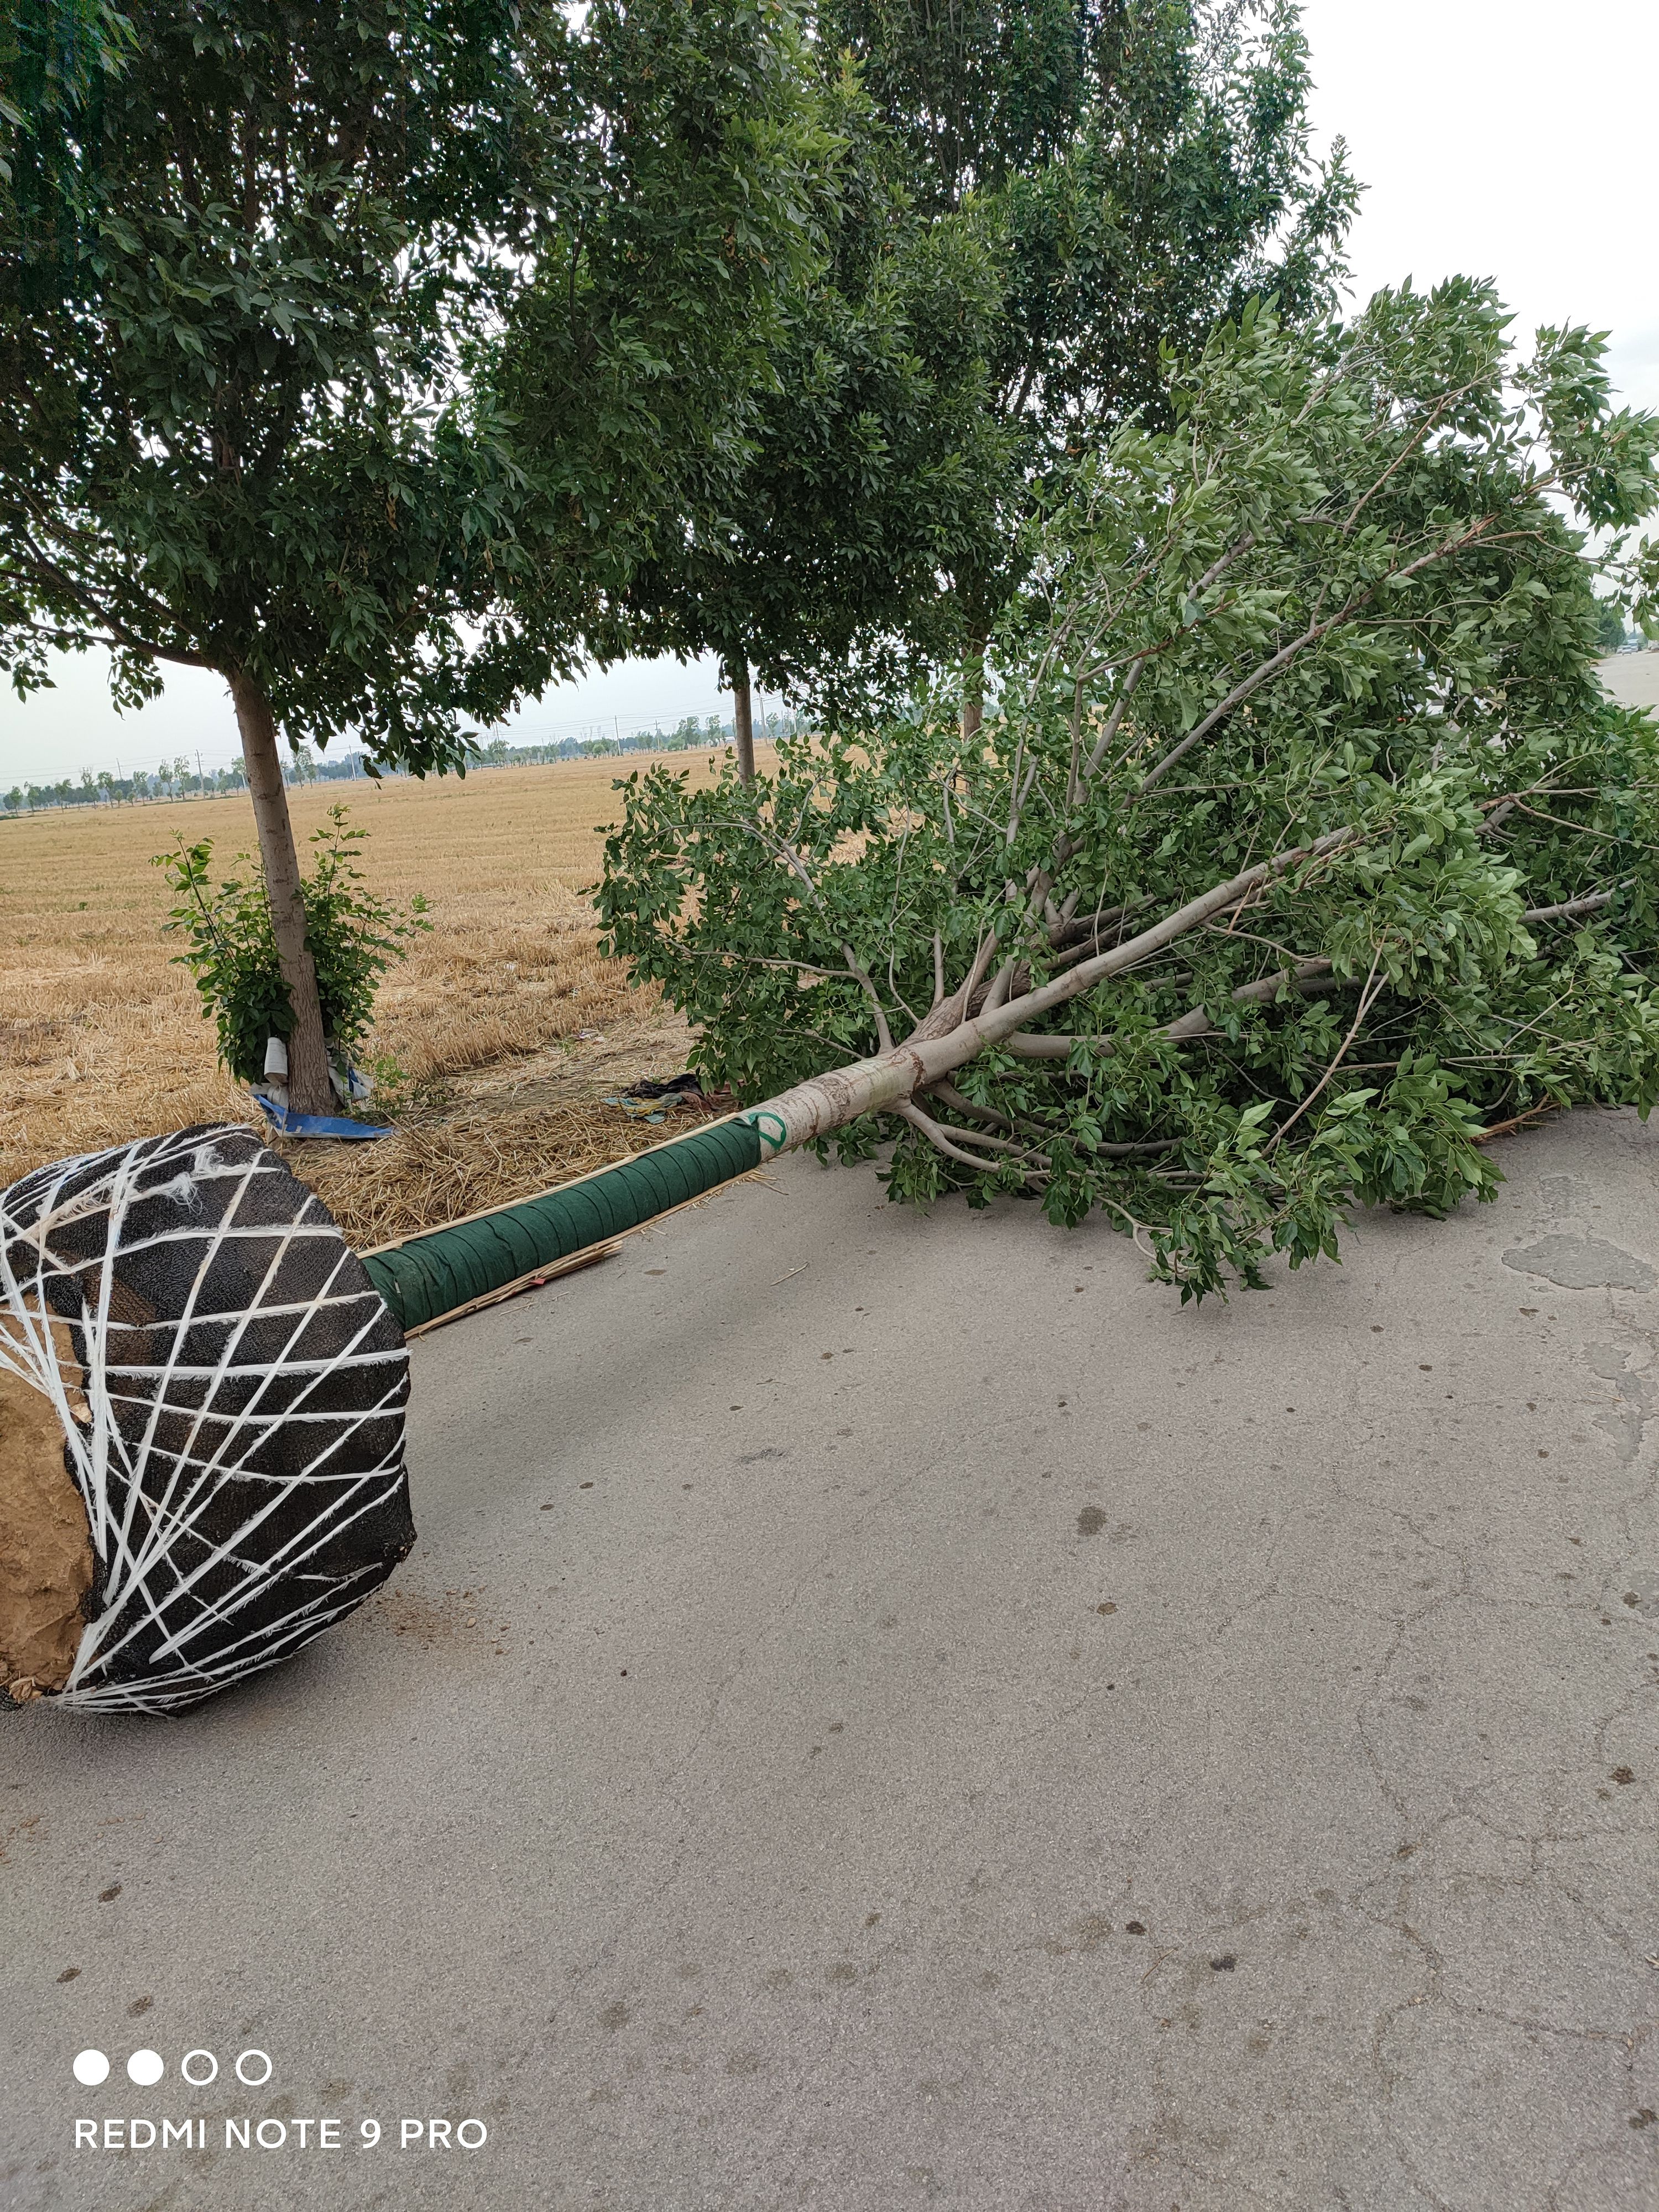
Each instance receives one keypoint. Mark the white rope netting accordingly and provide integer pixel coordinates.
(233, 1390)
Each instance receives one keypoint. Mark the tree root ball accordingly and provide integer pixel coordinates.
(202, 1401)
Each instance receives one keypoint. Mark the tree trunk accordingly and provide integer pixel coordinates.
(743, 725)
(308, 1087)
(973, 688)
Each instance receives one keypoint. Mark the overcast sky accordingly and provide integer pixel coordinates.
(1503, 138)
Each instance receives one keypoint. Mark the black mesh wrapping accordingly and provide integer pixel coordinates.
(236, 1427)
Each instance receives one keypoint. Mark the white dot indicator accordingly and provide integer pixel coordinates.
(146, 2068)
(91, 2067)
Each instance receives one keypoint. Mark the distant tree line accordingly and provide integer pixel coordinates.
(691, 734)
(175, 779)
(178, 780)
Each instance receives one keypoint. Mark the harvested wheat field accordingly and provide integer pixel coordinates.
(103, 1039)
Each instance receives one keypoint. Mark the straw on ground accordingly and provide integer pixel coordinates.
(102, 1039)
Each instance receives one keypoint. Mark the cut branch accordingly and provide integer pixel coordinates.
(1311, 635)
(1589, 904)
(937, 1137)
(887, 1083)
(1366, 998)
(1309, 976)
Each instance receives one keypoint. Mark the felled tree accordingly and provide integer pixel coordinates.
(254, 263)
(1302, 850)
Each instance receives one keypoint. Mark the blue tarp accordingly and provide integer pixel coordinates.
(315, 1125)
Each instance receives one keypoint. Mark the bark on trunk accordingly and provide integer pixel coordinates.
(743, 724)
(308, 1087)
(973, 690)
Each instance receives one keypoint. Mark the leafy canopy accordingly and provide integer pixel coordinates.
(1137, 169)
(874, 459)
(1299, 702)
(254, 413)
(1025, 206)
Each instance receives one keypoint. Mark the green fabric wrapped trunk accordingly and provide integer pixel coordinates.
(426, 1277)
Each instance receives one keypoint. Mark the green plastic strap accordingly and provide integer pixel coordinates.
(426, 1277)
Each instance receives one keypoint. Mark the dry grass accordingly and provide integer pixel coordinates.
(501, 1133)
(103, 1040)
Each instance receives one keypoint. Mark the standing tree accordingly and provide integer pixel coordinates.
(254, 265)
(870, 463)
(1304, 851)
(1141, 167)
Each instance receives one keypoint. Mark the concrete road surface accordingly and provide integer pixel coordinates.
(893, 1712)
(1633, 677)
